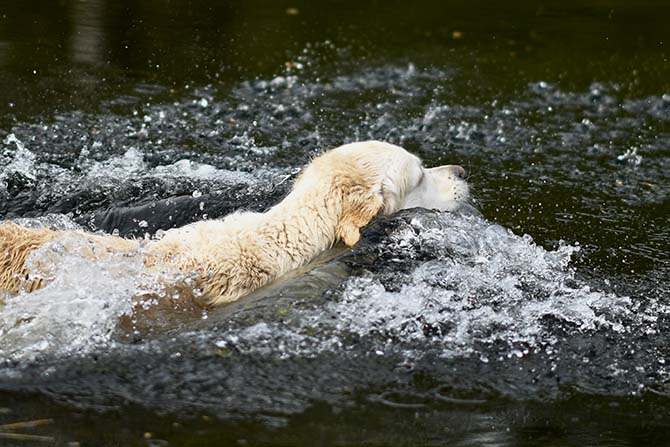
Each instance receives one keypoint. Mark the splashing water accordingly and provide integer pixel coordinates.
(19, 162)
(485, 285)
(461, 282)
(79, 308)
(460, 298)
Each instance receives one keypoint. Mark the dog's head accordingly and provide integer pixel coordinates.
(405, 183)
(443, 188)
(382, 178)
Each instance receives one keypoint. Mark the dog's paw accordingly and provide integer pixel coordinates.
(350, 234)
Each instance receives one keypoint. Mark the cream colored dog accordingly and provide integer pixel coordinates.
(337, 193)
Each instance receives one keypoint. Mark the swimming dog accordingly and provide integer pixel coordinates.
(336, 195)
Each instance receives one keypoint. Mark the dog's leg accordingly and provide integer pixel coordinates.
(361, 210)
(349, 233)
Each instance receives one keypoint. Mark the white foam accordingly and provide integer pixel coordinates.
(130, 164)
(78, 310)
(202, 171)
(53, 221)
(486, 285)
(21, 160)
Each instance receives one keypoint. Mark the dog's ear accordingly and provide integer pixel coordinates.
(360, 206)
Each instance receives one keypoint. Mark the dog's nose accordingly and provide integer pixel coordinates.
(459, 171)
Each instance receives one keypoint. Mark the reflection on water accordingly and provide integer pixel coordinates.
(87, 36)
(437, 329)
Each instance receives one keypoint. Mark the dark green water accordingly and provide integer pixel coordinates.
(126, 112)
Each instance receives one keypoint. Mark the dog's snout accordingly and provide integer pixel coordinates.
(459, 171)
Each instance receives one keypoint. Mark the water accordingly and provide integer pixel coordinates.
(542, 321)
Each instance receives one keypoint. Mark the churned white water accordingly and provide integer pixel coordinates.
(485, 284)
(132, 163)
(79, 308)
(16, 158)
(482, 285)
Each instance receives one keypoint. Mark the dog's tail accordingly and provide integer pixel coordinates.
(16, 243)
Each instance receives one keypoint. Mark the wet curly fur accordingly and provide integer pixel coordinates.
(337, 193)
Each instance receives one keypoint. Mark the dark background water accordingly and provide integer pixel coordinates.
(541, 101)
(65, 55)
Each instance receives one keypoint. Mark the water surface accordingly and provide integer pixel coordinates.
(544, 321)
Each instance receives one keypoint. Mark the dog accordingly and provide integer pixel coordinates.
(336, 195)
